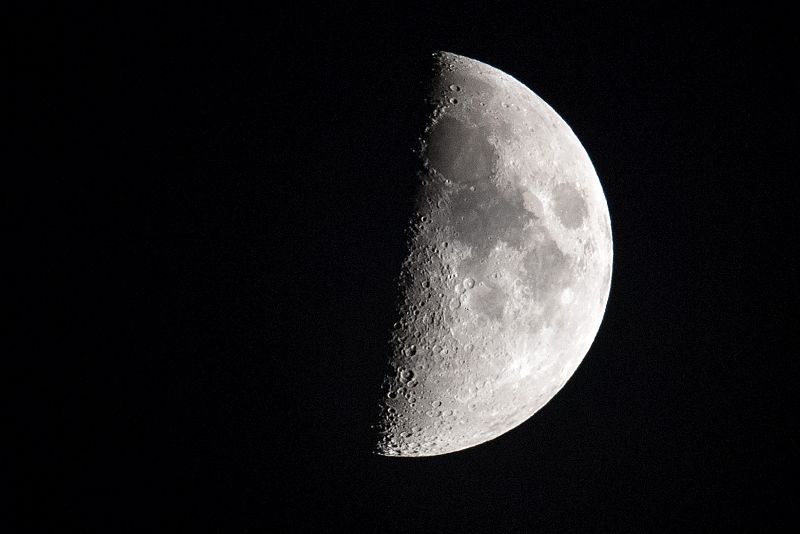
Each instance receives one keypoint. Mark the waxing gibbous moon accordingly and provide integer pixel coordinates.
(508, 268)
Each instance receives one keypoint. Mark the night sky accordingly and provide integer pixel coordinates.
(223, 238)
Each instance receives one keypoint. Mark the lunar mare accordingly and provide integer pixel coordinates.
(508, 270)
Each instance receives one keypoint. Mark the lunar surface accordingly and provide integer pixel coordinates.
(508, 268)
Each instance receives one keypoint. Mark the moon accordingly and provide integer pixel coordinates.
(508, 269)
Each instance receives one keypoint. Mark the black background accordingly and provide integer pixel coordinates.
(225, 229)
